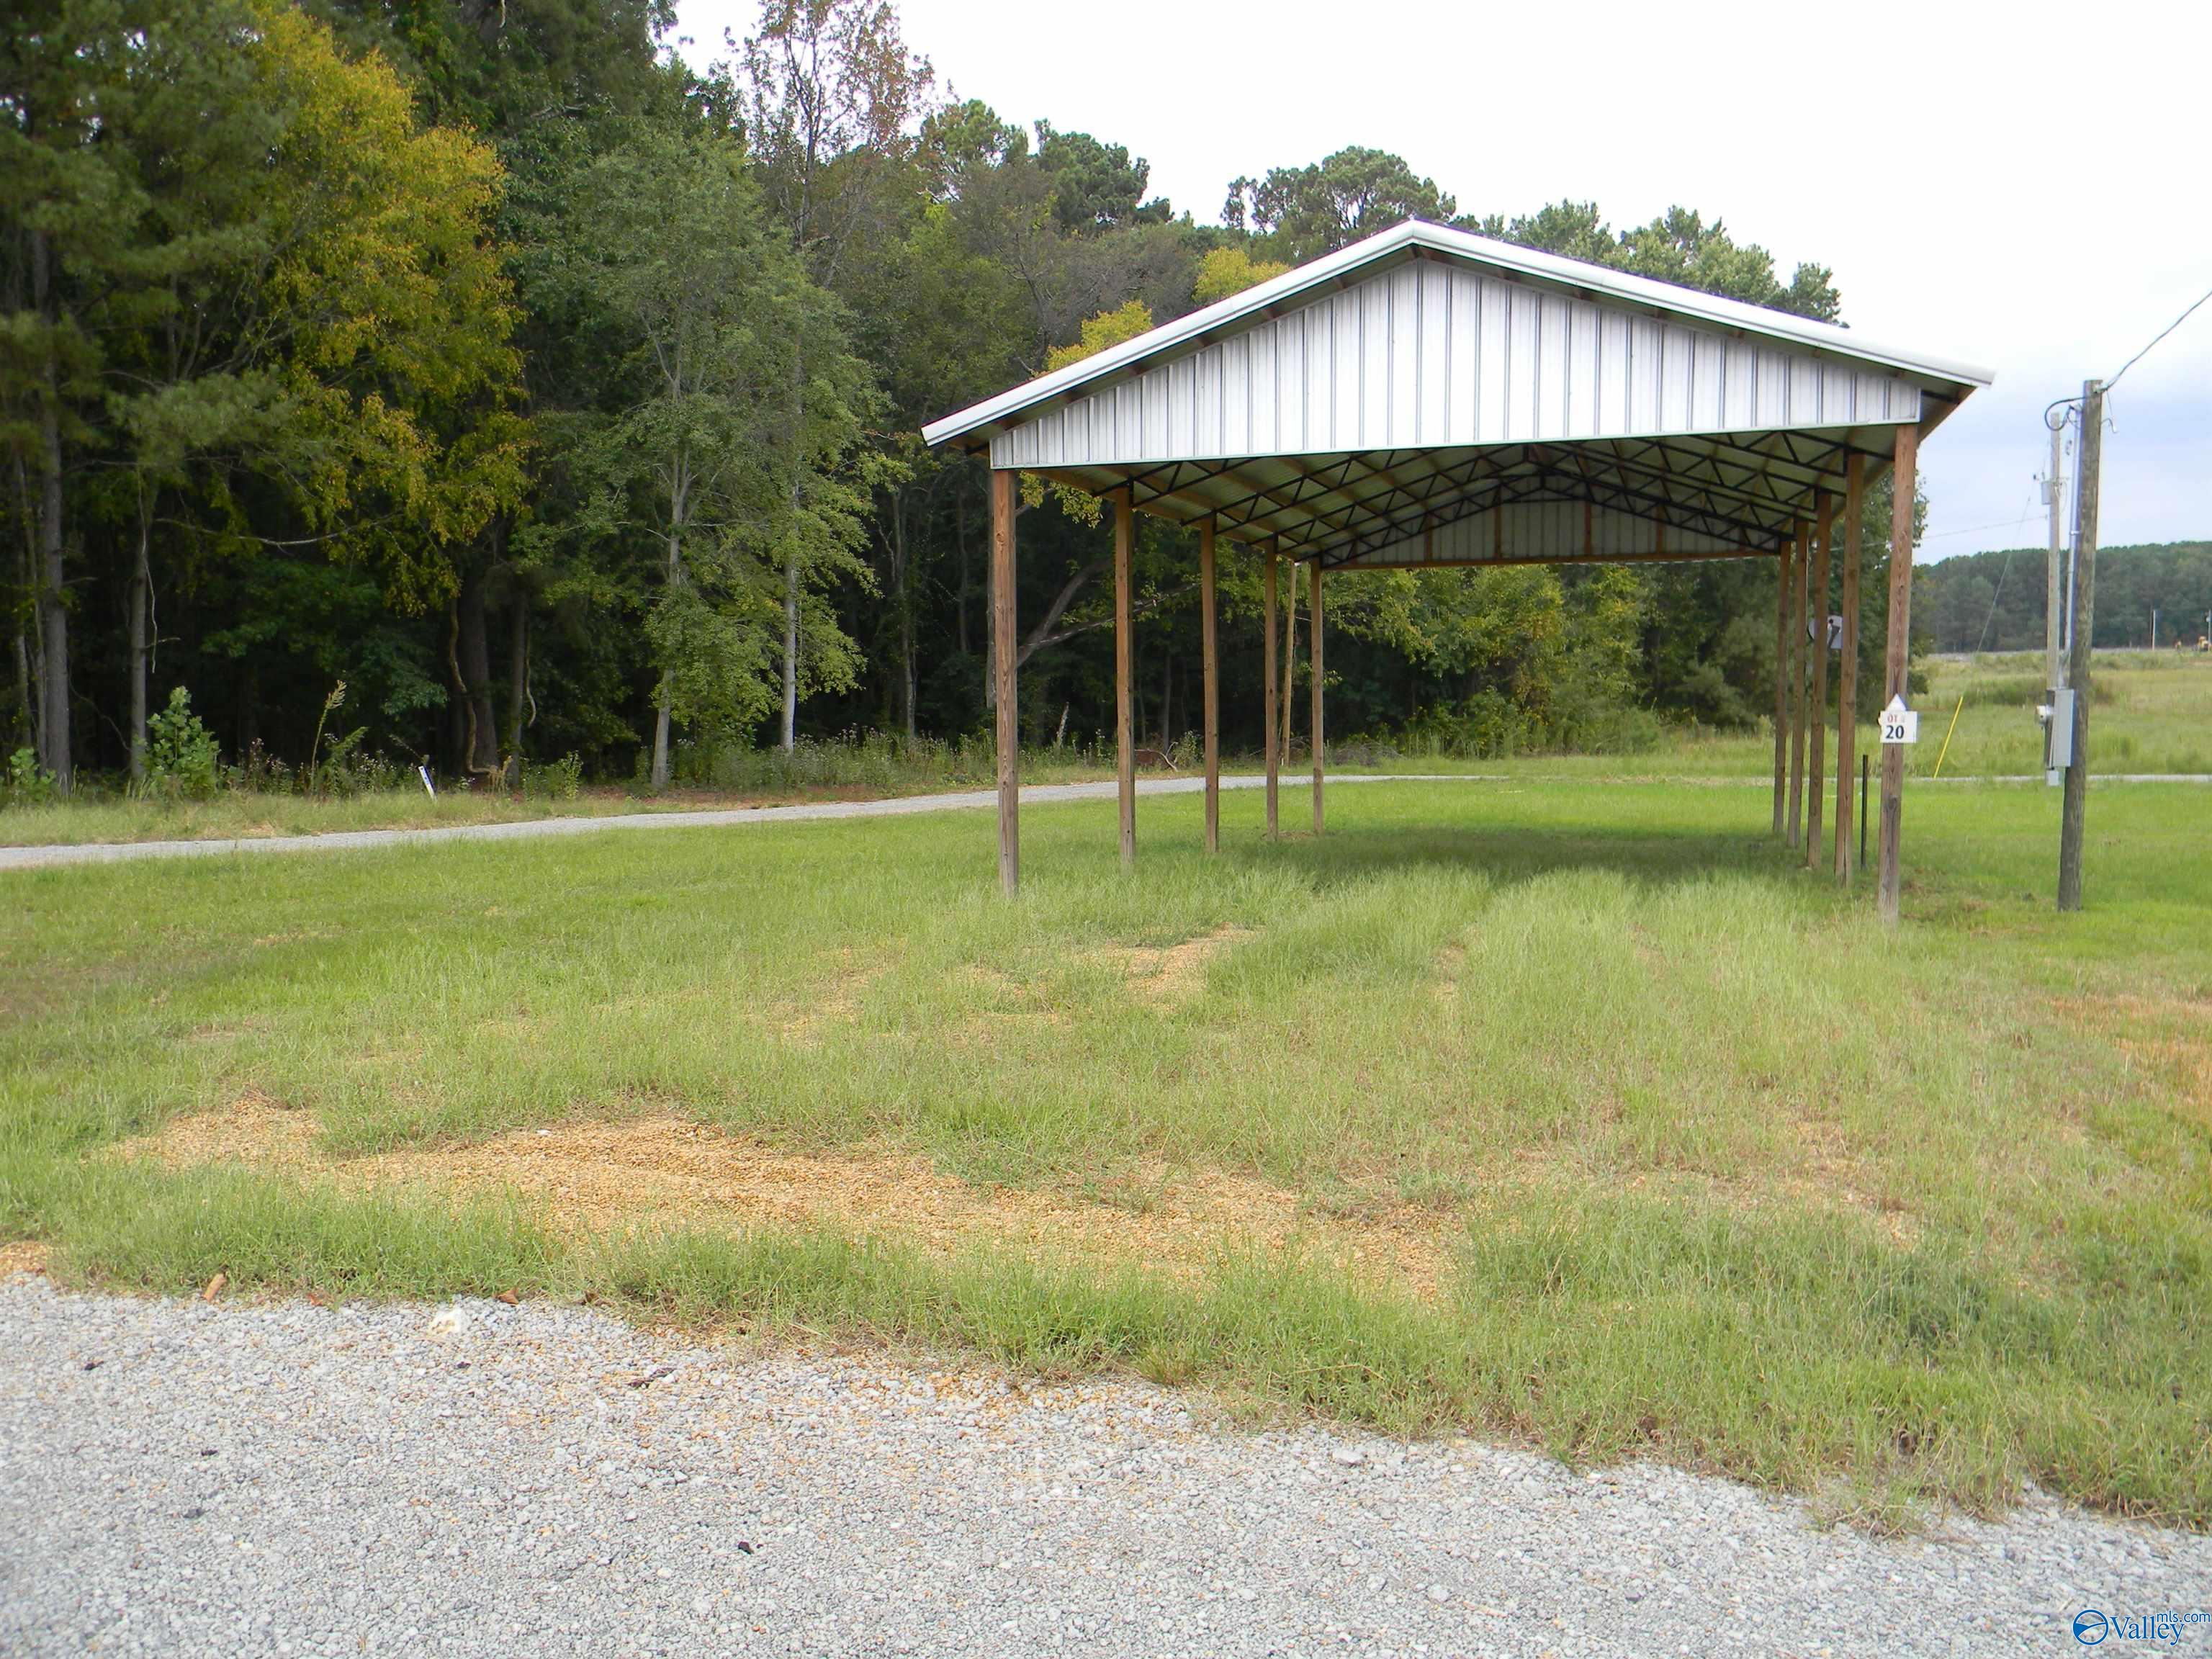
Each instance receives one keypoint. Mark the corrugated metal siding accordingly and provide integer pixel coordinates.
(1542, 530)
(1427, 355)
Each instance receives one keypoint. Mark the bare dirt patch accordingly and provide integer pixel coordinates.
(23, 1256)
(662, 1172)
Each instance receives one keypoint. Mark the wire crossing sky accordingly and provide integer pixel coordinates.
(2016, 186)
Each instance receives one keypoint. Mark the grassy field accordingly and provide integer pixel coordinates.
(1562, 1109)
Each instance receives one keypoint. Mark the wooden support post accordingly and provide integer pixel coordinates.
(1003, 644)
(1893, 674)
(1799, 661)
(1783, 576)
(2088, 488)
(1847, 666)
(1212, 711)
(1267, 696)
(1124, 640)
(1313, 613)
(1816, 779)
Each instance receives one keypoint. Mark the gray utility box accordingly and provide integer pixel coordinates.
(2057, 718)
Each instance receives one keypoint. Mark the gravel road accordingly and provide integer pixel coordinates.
(476, 1478)
(962, 800)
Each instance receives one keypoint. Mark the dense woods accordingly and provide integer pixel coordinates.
(473, 382)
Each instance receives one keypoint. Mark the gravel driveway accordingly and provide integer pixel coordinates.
(249, 1478)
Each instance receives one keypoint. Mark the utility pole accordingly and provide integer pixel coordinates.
(1896, 671)
(2054, 592)
(2084, 618)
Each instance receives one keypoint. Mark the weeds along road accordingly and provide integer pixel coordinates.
(268, 1477)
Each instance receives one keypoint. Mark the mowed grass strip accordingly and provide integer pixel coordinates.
(1730, 1174)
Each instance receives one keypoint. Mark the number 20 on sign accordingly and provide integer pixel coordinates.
(1899, 723)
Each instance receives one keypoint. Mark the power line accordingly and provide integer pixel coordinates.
(2161, 335)
(1976, 529)
(1983, 643)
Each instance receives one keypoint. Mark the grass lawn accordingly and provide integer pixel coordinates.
(1561, 1109)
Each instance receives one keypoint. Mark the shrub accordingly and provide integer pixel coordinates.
(347, 769)
(27, 783)
(259, 772)
(180, 752)
(556, 780)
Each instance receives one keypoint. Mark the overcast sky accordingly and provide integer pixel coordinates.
(2014, 185)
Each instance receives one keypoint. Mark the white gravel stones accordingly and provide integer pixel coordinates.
(252, 1479)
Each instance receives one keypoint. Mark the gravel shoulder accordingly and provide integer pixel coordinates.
(278, 1478)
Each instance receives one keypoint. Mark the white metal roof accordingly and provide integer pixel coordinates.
(1428, 381)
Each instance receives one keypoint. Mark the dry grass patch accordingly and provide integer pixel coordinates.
(2166, 1038)
(1824, 1178)
(1170, 974)
(664, 1172)
(1450, 963)
(834, 1003)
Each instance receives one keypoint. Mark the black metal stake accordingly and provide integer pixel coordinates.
(1863, 770)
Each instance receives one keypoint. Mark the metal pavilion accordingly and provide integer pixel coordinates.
(1429, 397)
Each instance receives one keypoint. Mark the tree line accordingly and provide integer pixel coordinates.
(1996, 601)
(476, 380)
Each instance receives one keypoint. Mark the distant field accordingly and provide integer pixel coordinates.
(1568, 1110)
(2151, 712)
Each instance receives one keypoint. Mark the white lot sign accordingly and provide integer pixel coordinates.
(1899, 723)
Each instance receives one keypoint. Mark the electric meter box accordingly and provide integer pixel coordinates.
(2058, 732)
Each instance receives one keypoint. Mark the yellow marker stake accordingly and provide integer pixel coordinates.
(1947, 731)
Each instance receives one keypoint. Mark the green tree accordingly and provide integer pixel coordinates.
(1095, 186)
(943, 325)
(539, 80)
(1679, 247)
(265, 262)
(702, 457)
(834, 99)
(507, 67)
(1303, 213)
